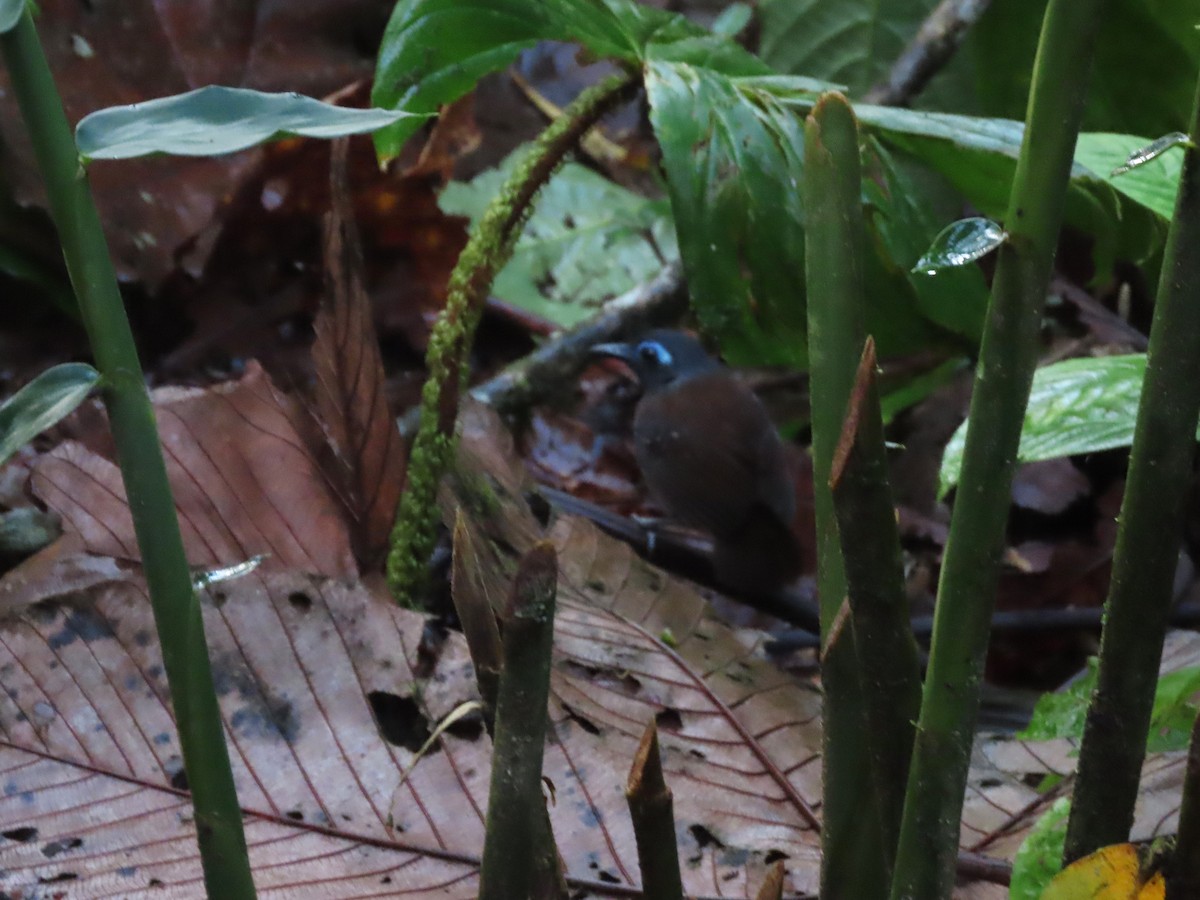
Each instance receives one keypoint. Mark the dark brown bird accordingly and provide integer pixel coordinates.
(712, 457)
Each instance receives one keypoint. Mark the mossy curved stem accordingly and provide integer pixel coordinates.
(448, 357)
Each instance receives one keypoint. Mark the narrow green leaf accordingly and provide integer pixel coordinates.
(960, 243)
(732, 20)
(10, 14)
(586, 241)
(1039, 857)
(44, 401)
(215, 120)
(1153, 150)
(1076, 406)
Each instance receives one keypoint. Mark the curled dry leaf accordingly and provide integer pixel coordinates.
(244, 482)
(369, 454)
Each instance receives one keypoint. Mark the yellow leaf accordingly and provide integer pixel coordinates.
(1111, 873)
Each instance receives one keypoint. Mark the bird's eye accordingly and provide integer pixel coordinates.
(654, 354)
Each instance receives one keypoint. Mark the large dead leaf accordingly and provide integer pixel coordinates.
(244, 481)
(328, 690)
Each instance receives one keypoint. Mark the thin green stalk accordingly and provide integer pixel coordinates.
(448, 357)
(854, 861)
(515, 793)
(888, 659)
(929, 834)
(176, 609)
(1147, 550)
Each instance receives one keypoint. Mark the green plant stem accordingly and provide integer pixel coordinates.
(515, 793)
(176, 608)
(448, 359)
(966, 595)
(1183, 881)
(652, 810)
(1147, 549)
(854, 860)
(888, 658)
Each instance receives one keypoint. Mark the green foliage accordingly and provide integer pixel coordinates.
(1039, 858)
(214, 120)
(586, 241)
(46, 400)
(1076, 406)
(10, 14)
(1062, 714)
(848, 41)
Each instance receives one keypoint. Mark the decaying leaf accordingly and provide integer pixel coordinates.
(368, 452)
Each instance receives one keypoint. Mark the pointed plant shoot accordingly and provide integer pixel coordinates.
(46, 400)
(215, 120)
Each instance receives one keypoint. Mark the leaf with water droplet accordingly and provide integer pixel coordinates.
(1153, 150)
(960, 243)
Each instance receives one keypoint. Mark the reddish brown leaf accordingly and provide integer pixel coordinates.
(244, 484)
(369, 453)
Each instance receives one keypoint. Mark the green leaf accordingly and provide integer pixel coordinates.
(1039, 857)
(215, 120)
(586, 241)
(854, 41)
(1076, 406)
(1174, 711)
(732, 154)
(1154, 181)
(10, 14)
(960, 243)
(1062, 714)
(44, 401)
(434, 51)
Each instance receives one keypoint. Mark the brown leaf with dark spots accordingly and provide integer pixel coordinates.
(244, 484)
(369, 453)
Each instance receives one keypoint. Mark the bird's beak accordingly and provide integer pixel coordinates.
(623, 352)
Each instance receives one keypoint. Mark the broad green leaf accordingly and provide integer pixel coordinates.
(732, 20)
(1039, 857)
(1076, 406)
(586, 241)
(1153, 183)
(732, 154)
(215, 120)
(907, 205)
(44, 401)
(853, 41)
(960, 243)
(434, 51)
(10, 14)
(1062, 713)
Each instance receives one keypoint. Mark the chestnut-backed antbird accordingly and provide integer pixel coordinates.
(712, 458)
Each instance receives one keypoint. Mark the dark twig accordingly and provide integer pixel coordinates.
(543, 373)
(652, 811)
(937, 39)
(1184, 871)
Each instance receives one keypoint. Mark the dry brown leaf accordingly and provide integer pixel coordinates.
(369, 454)
(244, 484)
(328, 691)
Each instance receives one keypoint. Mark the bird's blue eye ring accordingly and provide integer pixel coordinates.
(654, 353)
